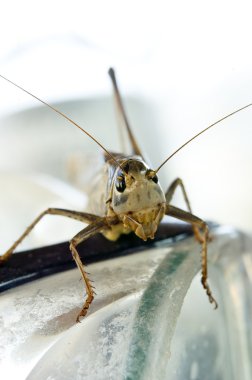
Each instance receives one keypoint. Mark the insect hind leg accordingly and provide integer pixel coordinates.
(121, 112)
(199, 223)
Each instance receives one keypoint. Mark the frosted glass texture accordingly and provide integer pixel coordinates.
(144, 322)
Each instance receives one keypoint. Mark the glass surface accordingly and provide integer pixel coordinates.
(147, 320)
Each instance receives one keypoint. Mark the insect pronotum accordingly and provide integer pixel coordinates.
(131, 200)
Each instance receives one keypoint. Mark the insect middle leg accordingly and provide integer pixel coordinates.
(169, 194)
(83, 235)
(97, 224)
(199, 223)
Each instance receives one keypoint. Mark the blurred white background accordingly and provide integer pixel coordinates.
(180, 65)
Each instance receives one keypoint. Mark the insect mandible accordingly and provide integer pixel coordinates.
(131, 200)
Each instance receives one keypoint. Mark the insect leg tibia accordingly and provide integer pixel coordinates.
(199, 223)
(87, 232)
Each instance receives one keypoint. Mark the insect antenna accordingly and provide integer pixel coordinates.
(64, 116)
(200, 133)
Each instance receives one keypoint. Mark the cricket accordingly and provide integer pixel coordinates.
(127, 198)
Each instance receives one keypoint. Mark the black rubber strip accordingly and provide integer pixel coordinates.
(25, 266)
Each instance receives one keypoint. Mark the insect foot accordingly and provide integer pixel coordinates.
(85, 308)
(208, 292)
(87, 283)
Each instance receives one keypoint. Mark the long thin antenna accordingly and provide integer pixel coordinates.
(119, 103)
(200, 133)
(65, 116)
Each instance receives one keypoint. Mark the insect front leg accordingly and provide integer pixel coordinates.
(168, 196)
(89, 231)
(83, 217)
(199, 223)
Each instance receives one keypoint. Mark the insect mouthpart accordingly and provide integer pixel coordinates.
(144, 223)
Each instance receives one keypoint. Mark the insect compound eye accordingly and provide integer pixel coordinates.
(155, 178)
(120, 184)
(150, 174)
